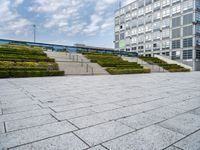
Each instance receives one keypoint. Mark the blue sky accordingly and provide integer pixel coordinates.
(65, 22)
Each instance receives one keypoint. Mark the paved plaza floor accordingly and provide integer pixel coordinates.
(128, 112)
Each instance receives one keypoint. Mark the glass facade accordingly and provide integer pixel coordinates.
(160, 26)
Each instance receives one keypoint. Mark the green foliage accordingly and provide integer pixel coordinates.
(23, 73)
(164, 65)
(115, 65)
(24, 61)
(115, 71)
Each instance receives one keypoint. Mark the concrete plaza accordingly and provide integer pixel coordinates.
(128, 112)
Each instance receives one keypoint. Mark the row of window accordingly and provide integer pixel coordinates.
(176, 22)
(188, 42)
(186, 5)
(156, 35)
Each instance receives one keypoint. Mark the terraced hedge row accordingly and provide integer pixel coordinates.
(23, 61)
(115, 65)
(164, 65)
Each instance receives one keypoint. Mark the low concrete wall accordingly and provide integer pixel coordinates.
(169, 61)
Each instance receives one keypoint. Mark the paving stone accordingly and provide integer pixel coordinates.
(140, 121)
(191, 142)
(196, 111)
(22, 115)
(184, 124)
(71, 107)
(154, 138)
(103, 132)
(73, 114)
(173, 148)
(2, 130)
(165, 112)
(62, 142)
(188, 105)
(20, 109)
(99, 147)
(29, 122)
(17, 138)
(105, 107)
(86, 121)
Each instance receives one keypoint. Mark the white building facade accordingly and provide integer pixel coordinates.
(161, 27)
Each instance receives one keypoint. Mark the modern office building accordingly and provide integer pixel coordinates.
(163, 27)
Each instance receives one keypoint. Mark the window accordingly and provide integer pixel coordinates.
(156, 5)
(156, 35)
(148, 37)
(187, 42)
(176, 33)
(166, 23)
(134, 48)
(198, 28)
(148, 47)
(187, 31)
(198, 16)
(176, 22)
(141, 29)
(134, 14)
(165, 3)
(166, 33)
(117, 45)
(141, 11)
(116, 28)
(122, 19)
(117, 37)
(134, 40)
(148, 28)
(134, 23)
(197, 54)
(156, 25)
(134, 31)
(166, 12)
(148, 9)
(134, 6)
(148, 18)
(187, 19)
(127, 33)
(187, 5)
(176, 9)
(165, 45)
(187, 54)
(148, 2)
(122, 36)
(141, 39)
(141, 21)
(176, 44)
(128, 16)
(141, 3)
(156, 15)
(156, 46)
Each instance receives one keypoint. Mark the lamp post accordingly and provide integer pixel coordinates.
(34, 33)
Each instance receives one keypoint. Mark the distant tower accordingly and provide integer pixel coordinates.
(34, 33)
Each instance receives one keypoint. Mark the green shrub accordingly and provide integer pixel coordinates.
(15, 74)
(115, 71)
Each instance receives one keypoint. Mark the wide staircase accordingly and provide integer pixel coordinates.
(154, 68)
(76, 64)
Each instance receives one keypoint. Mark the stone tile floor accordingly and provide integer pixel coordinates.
(129, 112)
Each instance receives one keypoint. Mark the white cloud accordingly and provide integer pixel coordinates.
(75, 16)
(11, 21)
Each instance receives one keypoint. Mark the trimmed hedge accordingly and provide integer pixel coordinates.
(23, 61)
(16, 74)
(164, 65)
(115, 64)
(115, 71)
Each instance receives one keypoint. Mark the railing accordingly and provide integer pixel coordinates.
(76, 58)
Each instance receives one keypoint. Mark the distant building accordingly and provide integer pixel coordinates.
(163, 27)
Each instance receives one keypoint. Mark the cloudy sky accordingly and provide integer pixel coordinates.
(60, 21)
